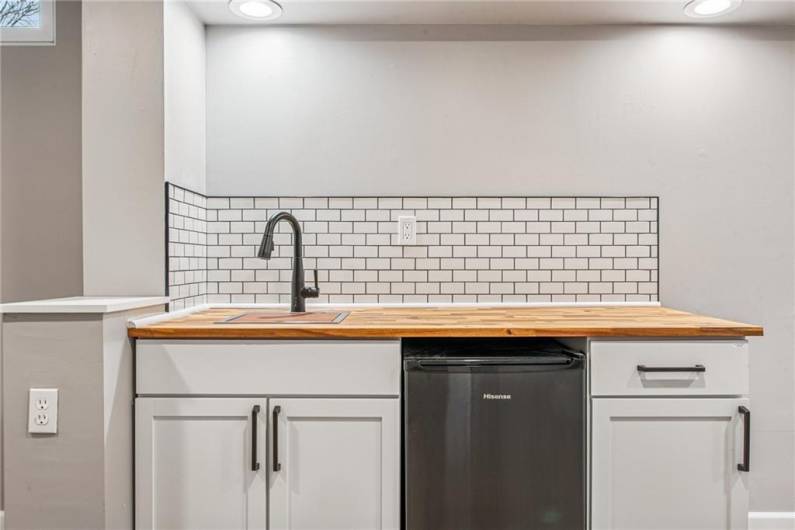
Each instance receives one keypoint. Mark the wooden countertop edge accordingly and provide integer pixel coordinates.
(294, 331)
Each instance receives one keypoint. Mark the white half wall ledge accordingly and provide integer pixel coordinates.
(771, 521)
(84, 304)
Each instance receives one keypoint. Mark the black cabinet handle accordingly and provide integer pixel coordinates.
(254, 412)
(276, 465)
(642, 368)
(746, 465)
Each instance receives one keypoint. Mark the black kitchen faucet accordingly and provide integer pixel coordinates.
(298, 292)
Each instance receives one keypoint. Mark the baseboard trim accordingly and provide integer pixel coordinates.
(771, 521)
(756, 520)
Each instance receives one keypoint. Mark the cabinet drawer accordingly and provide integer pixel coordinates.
(700, 367)
(284, 368)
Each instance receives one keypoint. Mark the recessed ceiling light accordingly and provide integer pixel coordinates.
(710, 8)
(256, 9)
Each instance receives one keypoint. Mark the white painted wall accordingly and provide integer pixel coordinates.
(184, 62)
(702, 117)
(123, 149)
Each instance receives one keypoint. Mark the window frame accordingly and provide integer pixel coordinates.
(44, 35)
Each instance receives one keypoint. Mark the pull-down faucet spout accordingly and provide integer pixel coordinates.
(298, 292)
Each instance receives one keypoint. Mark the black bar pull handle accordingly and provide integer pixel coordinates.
(254, 413)
(698, 368)
(276, 465)
(746, 464)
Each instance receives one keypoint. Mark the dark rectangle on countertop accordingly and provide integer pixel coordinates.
(284, 317)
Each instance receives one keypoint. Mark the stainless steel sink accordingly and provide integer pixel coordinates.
(286, 317)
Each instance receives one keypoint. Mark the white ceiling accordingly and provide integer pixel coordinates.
(523, 12)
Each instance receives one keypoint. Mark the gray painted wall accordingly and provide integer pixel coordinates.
(702, 117)
(123, 149)
(86, 470)
(185, 131)
(54, 352)
(41, 164)
(41, 246)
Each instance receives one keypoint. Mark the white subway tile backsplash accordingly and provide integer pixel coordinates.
(230, 215)
(600, 215)
(550, 215)
(513, 202)
(216, 203)
(525, 215)
(575, 215)
(464, 202)
(613, 203)
(538, 203)
(187, 251)
(637, 202)
(470, 249)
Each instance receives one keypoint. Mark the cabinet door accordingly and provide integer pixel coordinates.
(194, 461)
(668, 464)
(335, 464)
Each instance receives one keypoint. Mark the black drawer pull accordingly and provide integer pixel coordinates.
(699, 368)
(746, 465)
(276, 465)
(254, 463)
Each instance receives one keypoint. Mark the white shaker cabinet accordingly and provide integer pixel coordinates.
(327, 457)
(196, 464)
(668, 464)
(334, 464)
(670, 434)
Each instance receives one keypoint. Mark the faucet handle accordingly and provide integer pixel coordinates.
(311, 292)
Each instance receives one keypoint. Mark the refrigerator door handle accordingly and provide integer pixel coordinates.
(440, 364)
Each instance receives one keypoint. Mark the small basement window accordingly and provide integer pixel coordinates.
(27, 22)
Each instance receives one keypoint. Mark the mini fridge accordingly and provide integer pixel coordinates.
(494, 435)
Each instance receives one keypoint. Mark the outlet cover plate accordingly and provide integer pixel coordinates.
(43, 411)
(407, 230)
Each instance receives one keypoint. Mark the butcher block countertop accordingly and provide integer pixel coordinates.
(403, 322)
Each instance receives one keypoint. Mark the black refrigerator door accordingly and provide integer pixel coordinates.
(494, 446)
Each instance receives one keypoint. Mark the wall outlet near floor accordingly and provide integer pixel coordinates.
(407, 230)
(43, 411)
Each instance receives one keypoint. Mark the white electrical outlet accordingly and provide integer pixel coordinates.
(43, 411)
(407, 230)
